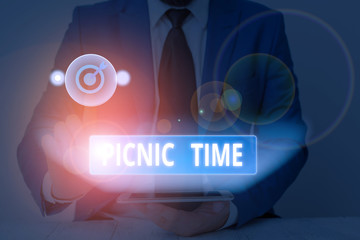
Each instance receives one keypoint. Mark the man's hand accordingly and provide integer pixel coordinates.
(208, 217)
(66, 155)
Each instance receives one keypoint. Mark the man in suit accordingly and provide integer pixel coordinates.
(132, 35)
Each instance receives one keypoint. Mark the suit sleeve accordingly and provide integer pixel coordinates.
(55, 105)
(281, 144)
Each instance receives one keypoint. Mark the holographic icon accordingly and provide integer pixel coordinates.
(90, 80)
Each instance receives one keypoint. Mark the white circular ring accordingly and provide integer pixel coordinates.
(81, 87)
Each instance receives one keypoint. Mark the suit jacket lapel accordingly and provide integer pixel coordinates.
(135, 44)
(222, 20)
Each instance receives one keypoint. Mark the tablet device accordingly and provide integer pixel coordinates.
(177, 197)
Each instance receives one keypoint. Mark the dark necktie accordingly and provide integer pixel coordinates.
(177, 82)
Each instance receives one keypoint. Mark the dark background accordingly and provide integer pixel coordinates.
(31, 32)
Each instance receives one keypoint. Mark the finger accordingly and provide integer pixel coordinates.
(177, 221)
(140, 207)
(218, 207)
(214, 213)
(50, 148)
(73, 123)
(62, 136)
(89, 121)
(89, 115)
(210, 208)
(163, 216)
(75, 127)
(208, 217)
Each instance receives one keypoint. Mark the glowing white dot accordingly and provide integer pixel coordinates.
(123, 77)
(57, 78)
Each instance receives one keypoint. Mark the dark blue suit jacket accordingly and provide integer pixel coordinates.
(120, 31)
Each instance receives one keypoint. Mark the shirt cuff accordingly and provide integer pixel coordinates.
(68, 214)
(46, 190)
(233, 215)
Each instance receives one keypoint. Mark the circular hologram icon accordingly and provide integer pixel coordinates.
(57, 78)
(90, 80)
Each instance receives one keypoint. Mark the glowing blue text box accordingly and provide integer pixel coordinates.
(168, 155)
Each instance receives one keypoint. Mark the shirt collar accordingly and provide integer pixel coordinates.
(199, 8)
